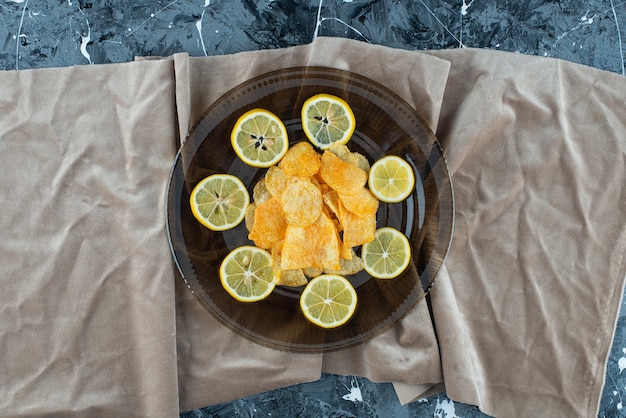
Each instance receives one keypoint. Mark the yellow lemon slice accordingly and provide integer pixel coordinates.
(219, 201)
(391, 179)
(247, 274)
(388, 255)
(328, 300)
(327, 119)
(259, 138)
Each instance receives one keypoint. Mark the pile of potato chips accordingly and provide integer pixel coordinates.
(310, 210)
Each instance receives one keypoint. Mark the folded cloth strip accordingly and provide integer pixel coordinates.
(95, 320)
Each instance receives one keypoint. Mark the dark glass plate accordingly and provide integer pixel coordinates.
(385, 124)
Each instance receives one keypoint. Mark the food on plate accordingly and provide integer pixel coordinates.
(388, 255)
(301, 201)
(342, 176)
(327, 119)
(301, 160)
(268, 223)
(309, 211)
(291, 277)
(247, 274)
(328, 300)
(391, 179)
(219, 201)
(316, 245)
(259, 138)
(308, 224)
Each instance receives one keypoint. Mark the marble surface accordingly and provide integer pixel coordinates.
(47, 33)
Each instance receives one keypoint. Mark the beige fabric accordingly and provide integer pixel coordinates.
(408, 352)
(96, 323)
(527, 309)
(87, 303)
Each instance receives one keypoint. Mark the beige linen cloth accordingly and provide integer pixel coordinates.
(87, 310)
(95, 321)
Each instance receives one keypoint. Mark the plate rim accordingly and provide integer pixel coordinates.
(290, 347)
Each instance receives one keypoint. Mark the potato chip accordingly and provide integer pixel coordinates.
(260, 193)
(314, 181)
(357, 229)
(364, 203)
(301, 202)
(353, 265)
(249, 218)
(345, 251)
(270, 223)
(311, 272)
(300, 160)
(275, 180)
(316, 245)
(343, 177)
(360, 161)
(342, 151)
(331, 199)
(292, 278)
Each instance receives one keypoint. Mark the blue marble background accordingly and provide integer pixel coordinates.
(47, 33)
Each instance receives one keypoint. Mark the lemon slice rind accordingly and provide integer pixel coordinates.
(323, 301)
(247, 275)
(259, 138)
(389, 247)
(208, 205)
(322, 126)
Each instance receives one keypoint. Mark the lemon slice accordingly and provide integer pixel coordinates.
(259, 138)
(327, 119)
(247, 274)
(388, 255)
(328, 300)
(219, 201)
(391, 179)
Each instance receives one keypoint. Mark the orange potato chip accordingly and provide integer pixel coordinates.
(363, 203)
(316, 245)
(269, 225)
(300, 160)
(301, 202)
(345, 178)
(345, 251)
(331, 199)
(293, 278)
(357, 229)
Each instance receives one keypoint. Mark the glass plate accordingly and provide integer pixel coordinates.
(385, 124)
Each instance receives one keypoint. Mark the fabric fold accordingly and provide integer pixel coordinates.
(88, 320)
(537, 151)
